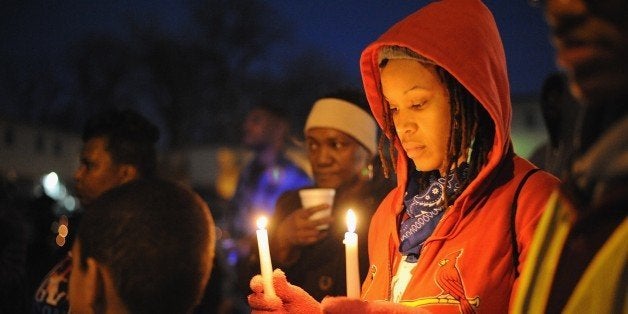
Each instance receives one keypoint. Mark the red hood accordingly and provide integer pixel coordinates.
(461, 36)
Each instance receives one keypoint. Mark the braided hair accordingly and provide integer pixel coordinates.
(471, 127)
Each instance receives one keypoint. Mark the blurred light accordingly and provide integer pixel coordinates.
(69, 203)
(276, 174)
(60, 240)
(50, 182)
(63, 192)
(228, 244)
(63, 231)
(232, 258)
(262, 221)
(55, 189)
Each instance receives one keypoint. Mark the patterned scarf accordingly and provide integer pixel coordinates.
(425, 208)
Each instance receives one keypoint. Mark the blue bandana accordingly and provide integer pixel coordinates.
(425, 209)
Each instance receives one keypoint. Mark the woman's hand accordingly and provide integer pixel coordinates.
(296, 231)
(289, 299)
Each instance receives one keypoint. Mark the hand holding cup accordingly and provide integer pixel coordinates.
(299, 229)
(315, 197)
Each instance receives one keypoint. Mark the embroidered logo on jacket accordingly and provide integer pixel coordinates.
(325, 282)
(449, 280)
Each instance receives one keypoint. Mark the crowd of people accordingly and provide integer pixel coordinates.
(452, 220)
(471, 227)
(341, 143)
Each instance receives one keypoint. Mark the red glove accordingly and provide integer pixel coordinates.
(346, 305)
(290, 298)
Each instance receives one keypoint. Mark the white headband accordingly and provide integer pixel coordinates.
(346, 117)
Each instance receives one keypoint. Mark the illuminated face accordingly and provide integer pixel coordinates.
(336, 158)
(419, 106)
(591, 41)
(97, 173)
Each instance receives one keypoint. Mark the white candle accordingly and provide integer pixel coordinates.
(264, 257)
(351, 257)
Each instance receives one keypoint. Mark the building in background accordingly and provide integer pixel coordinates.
(39, 159)
(528, 129)
(29, 152)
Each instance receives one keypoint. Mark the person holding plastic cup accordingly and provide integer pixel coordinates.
(341, 142)
(454, 233)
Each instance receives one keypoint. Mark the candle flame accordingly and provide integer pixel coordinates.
(351, 220)
(262, 221)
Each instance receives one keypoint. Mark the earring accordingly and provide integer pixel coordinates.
(367, 172)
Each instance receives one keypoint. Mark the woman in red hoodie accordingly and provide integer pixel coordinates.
(455, 232)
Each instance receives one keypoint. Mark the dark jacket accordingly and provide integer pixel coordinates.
(320, 269)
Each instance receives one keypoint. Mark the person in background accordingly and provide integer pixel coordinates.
(217, 297)
(559, 111)
(146, 246)
(579, 251)
(455, 232)
(341, 142)
(118, 147)
(270, 172)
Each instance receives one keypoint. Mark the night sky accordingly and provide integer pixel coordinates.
(31, 29)
(344, 28)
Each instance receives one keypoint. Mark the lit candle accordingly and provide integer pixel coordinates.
(351, 257)
(264, 257)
